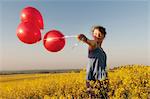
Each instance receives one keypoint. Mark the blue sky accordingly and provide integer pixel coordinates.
(126, 22)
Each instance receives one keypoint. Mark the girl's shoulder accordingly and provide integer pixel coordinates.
(92, 44)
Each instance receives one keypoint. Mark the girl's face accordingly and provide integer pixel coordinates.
(98, 36)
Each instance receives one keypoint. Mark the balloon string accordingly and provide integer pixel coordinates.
(52, 38)
(72, 36)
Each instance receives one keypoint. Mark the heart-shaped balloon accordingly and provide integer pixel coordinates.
(33, 15)
(28, 32)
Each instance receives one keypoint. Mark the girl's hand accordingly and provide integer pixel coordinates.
(82, 37)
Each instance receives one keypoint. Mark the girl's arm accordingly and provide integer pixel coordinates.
(83, 38)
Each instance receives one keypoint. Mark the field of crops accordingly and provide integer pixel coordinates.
(125, 82)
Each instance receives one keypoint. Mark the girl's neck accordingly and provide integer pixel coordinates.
(98, 43)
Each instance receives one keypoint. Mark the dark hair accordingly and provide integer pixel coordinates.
(100, 28)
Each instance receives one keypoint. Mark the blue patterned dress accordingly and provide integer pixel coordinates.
(97, 64)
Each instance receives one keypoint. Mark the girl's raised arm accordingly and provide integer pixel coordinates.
(83, 38)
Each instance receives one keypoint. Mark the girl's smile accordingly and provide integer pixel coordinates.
(98, 35)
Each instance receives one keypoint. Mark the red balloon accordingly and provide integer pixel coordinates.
(54, 41)
(28, 32)
(33, 15)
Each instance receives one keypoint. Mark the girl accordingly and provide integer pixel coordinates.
(97, 60)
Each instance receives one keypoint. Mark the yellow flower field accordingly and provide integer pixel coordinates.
(125, 82)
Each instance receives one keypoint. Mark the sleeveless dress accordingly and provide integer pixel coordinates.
(97, 64)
